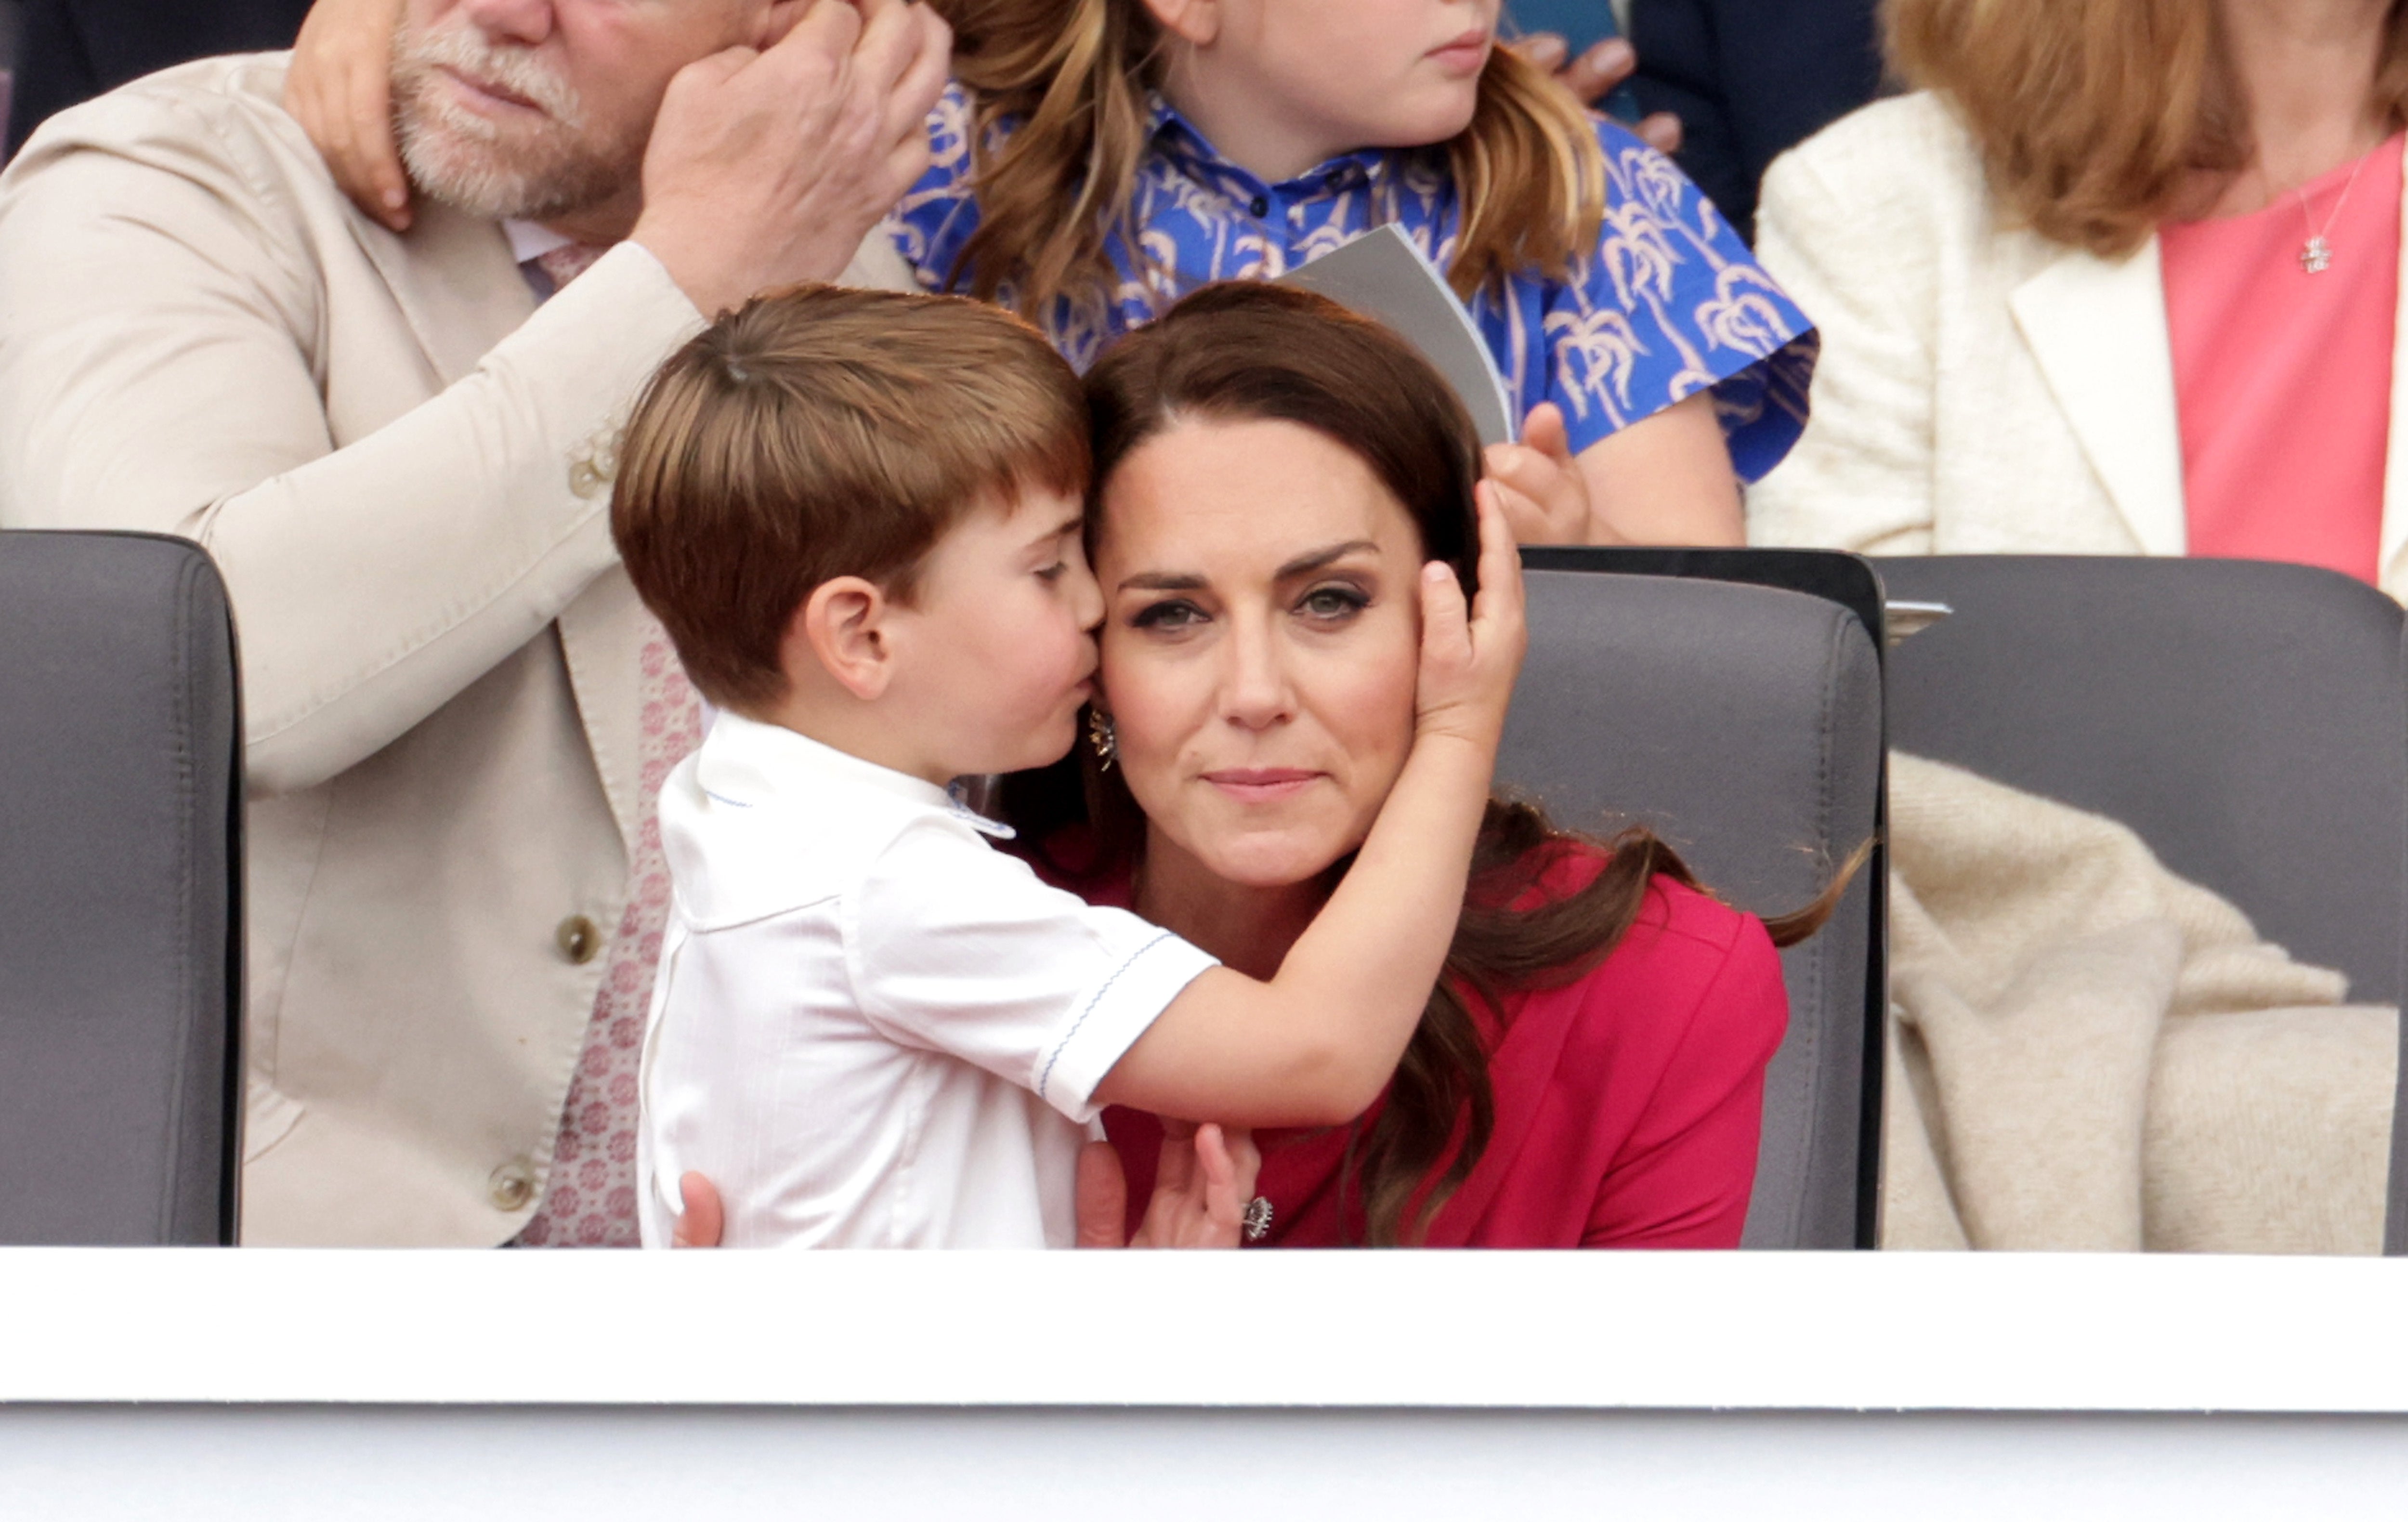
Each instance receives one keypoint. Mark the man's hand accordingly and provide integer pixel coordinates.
(1592, 74)
(770, 168)
(339, 88)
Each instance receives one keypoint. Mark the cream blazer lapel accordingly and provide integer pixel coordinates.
(462, 293)
(2098, 329)
(2391, 572)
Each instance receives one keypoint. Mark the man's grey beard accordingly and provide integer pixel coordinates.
(536, 173)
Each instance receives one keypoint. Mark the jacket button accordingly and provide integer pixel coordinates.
(512, 1186)
(578, 938)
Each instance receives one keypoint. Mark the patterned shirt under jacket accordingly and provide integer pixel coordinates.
(1670, 303)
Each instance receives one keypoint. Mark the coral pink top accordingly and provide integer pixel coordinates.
(2283, 378)
(1629, 1103)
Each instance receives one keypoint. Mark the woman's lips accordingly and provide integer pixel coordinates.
(1266, 784)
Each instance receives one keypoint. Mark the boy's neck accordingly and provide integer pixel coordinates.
(1249, 928)
(1249, 133)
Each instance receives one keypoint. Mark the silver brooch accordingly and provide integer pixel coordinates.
(1258, 1219)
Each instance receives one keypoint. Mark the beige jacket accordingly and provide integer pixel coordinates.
(1981, 389)
(401, 467)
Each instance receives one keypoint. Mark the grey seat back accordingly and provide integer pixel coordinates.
(121, 913)
(2248, 720)
(1744, 723)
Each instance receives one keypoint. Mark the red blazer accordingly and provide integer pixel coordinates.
(1628, 1104)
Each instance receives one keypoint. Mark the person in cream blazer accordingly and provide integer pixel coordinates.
(1982, 388)
(402, 466)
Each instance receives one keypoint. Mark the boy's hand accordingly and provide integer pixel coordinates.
(1542, 487)
(339, 88)
(1469, 663)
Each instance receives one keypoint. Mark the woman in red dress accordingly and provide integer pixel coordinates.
(1272, 474)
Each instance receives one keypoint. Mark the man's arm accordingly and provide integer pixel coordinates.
(160, 320)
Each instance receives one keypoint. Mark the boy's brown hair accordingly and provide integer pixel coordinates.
(819, 432)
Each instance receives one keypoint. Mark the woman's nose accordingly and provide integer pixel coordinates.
(1255, 689)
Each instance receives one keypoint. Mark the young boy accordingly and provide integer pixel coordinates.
(858, 516)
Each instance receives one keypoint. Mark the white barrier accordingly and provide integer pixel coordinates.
(374, 1383)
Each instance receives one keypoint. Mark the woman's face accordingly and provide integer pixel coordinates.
(1261, 637)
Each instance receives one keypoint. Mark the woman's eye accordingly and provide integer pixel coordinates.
(1167, 615)
(1332, 602)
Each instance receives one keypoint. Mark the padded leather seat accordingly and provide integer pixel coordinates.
(121, 906)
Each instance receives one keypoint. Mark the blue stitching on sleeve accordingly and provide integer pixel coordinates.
(1046, 1076)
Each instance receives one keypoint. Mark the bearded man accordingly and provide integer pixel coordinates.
(397, 445)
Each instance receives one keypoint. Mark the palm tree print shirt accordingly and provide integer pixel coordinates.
(1670, 303)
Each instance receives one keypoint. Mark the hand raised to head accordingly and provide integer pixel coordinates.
(769, 167)
(1470, 656)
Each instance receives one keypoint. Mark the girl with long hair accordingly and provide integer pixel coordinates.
(1098, 159)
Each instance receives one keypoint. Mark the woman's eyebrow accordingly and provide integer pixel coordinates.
(1313, 560)
(1303, 565)
(1162, 581)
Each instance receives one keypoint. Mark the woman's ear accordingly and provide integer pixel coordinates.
(842, 627)
(1196, 22)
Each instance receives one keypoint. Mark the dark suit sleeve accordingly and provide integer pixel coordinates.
(73, 50)
(1750, 80)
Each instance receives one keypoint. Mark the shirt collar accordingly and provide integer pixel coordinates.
(1176, 136)
(532, 240)
(746, 763)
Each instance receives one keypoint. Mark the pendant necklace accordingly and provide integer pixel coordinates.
(2316, 254)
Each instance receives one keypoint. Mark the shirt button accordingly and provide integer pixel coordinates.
(1260, 206)
(578, 940)
(512, 1185)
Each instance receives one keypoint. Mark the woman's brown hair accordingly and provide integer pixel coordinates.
(1070, 77)
(1249, 351)
(2096, 119)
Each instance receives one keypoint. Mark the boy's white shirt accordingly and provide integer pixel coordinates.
(870, 1029)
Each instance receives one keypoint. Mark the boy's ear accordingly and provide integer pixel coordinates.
(1196, 22)
(842, 627)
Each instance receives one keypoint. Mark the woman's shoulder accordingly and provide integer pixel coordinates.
(1909, 155)
(1685, 948)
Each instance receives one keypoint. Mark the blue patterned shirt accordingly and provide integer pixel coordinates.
(1670, 303)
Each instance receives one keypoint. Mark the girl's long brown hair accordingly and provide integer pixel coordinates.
(2096, 119)
(1252, 350)
(1072, 75)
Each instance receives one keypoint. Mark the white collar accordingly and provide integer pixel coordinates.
(531, 240)
(744, 762)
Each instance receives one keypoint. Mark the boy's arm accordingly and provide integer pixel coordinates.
(1316, 1044)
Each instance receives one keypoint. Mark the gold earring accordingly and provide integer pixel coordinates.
(1101, 736)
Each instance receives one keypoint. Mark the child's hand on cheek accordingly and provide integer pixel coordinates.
(1540, 486)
